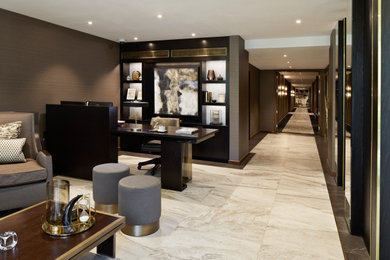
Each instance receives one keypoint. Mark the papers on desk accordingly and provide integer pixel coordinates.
(187, 130)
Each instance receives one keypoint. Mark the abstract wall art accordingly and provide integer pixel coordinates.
(176, 91)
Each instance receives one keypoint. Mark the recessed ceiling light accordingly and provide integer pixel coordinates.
(135, 38)
(288, 61)
(290, 67)
(193, 34)
(285, 55)
(90, 22)
(159, 16)
(298, 21)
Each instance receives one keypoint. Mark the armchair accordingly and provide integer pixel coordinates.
(24, 184)
(154, 146)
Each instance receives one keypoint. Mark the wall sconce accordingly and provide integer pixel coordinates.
(348, 94)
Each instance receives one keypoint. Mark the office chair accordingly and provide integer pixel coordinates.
(154, 146)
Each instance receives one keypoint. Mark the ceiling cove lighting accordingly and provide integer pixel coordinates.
(159, 16)
(298, 21)
(90, 22)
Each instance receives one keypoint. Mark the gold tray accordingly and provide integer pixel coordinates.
(64, 231)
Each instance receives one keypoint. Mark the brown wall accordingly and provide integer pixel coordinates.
(42, 63)
(238, 99)
(254, 101)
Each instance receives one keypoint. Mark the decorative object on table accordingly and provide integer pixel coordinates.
(161, 129)
(214, 101)
(139, 95)
(221, 98)
(176, 89)
(220, 77)
(136, 75)
(131, 92)
(215, 117)
(62, 217)
(210, 75)
(135, 127)
(8, 240)
(209, 97)
(128, 78)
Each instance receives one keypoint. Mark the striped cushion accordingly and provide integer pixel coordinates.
(10, 130)
(11, 150)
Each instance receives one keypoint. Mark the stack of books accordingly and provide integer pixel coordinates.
(187, 130)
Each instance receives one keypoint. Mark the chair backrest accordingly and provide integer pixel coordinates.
(165, 121)
(30, 149)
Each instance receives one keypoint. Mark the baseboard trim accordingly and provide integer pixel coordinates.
(240, 161)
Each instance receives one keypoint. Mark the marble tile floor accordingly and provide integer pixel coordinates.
(276, 207)
(299, 122)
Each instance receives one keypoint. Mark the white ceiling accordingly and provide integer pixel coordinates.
(300, 79)
(251, 19)
(298, 57)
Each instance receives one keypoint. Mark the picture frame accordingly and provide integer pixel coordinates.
(215, 117)
(139, 96)
(131, 93)
(221, 98)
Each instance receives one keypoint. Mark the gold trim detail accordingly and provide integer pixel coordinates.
(109, 208)
(203, 52)
(141, 230)
(145, 54)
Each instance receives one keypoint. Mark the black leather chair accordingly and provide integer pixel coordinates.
(154, 146)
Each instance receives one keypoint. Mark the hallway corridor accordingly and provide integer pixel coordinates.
(299, 122)
(276, 207)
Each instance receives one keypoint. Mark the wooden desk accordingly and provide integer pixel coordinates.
(176, 152)
(33, 243)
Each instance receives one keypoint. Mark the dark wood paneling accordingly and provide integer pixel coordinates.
(385, 141)
(254, 101)
(361, 131)
(340, 104)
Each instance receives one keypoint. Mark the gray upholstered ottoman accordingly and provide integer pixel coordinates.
(105, 179)
(139, 201)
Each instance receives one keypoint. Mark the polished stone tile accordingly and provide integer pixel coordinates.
(276, 207)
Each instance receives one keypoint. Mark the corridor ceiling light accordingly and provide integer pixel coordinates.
(193, 34)
(288, 62)
(159, 16)
(135, 38)
(285, 55)
(290, 67)
(298, 21)
(90, 22)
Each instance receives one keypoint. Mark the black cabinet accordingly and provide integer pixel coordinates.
(79, 138)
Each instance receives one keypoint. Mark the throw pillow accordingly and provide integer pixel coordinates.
(10, 130)
(11, 150)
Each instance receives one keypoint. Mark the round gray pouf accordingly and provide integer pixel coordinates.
(139, 201)
(105, 178)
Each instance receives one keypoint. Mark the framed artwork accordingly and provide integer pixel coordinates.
(139, 96)
(131, 93)
(221, 98)
(215, 117)
(176, 90)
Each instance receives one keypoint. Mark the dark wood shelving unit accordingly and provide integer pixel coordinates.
(147, 56)
(132, 81)
(135, 103)
(214, 104)
(214, 81)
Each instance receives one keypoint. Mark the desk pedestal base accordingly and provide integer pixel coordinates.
(176, 165)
